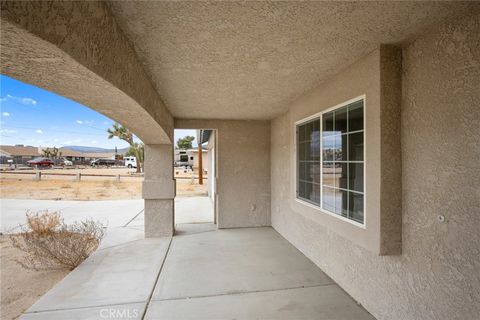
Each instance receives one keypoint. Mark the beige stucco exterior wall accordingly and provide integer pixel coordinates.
(437, 275)
(363, 79)
(243, 165)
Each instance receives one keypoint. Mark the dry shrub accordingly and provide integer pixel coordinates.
(43, 223)
(48, 242)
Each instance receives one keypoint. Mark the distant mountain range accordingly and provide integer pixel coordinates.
(95, 149)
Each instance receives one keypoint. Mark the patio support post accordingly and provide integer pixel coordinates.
(159, 190)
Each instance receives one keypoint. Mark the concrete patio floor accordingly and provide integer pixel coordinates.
(201, 273)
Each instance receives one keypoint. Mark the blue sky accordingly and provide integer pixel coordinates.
(32, 116)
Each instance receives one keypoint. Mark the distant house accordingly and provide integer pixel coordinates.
(20, 154)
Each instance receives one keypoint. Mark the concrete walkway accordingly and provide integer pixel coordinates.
(201, 273)
(112, 213)
(124, 219)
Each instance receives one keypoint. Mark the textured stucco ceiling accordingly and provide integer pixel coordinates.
(248, 60)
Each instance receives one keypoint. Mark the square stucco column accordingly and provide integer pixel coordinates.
(159, 191)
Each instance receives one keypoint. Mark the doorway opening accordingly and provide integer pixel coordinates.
(195, 175)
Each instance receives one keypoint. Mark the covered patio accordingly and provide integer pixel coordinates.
(346, 138)
(201, 273)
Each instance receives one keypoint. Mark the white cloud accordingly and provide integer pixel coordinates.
(94, 141)
(7, 131)
(106, 123)
(5, 114)
(23, 100)
(85, 122)
(28, 101)
(39, 131)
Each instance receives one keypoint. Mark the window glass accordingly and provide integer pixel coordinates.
(341, 202)
(356, 206)
(308, 178)
(355, 116)
(328, 148)
(340, 151)
(328, 174)
(341, 175)
(356, 177)
(328, 123)
(328, 199)
(301, 151)
(340, 123)
(355, 146)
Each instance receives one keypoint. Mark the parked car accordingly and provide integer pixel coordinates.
(66, 163)
(41, 162)
(102, 162)
(130, 162)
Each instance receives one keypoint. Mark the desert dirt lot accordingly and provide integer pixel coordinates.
(21, 287)
(102, 186)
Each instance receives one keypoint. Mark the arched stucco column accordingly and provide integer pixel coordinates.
(159, 190)
(77, 50)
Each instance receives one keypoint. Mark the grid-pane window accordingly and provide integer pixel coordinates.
(308, 159)
(334, 178)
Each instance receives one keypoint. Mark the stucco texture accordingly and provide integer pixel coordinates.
(250, 59)
(438, 274)
(243, 170)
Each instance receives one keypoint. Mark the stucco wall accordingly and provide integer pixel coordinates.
(243, 164)
(438, 274)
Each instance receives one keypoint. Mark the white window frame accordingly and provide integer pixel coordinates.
(320, 116)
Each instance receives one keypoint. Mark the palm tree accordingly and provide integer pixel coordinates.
(124, 134)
